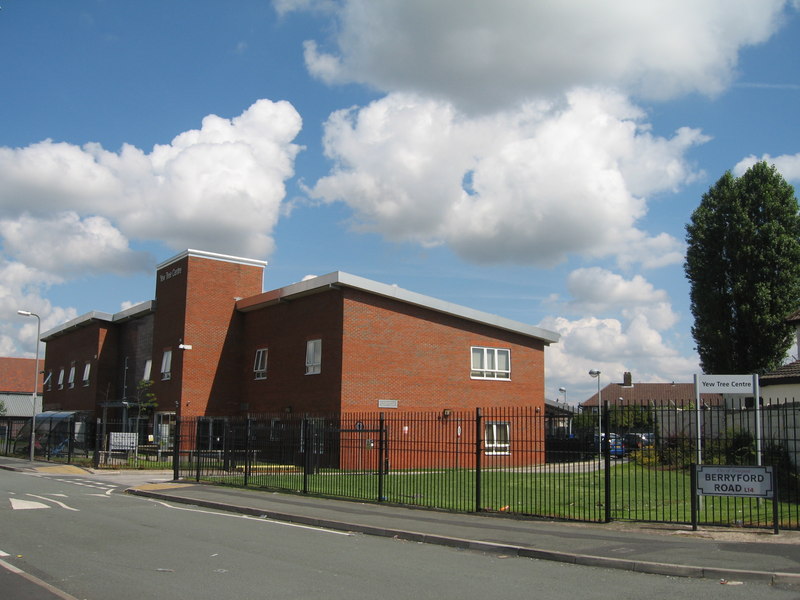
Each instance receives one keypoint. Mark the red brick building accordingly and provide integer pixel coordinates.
(214, 345)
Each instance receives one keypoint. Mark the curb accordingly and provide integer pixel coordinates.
(653, 568)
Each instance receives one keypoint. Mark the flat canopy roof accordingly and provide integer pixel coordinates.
(96, 315)
(339, 279)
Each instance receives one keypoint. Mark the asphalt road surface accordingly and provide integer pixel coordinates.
(84, 536)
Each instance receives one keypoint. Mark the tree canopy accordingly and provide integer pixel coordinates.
(743, 266)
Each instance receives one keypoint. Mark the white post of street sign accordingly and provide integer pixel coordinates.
(744, 385)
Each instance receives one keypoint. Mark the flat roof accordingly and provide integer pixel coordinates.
(212, 256)
(134, 311)
(339, 279)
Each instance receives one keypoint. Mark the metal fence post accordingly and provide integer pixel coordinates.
(98, 434)
(70, 440)
(246, 451)
(306, 453)
(176, 450)
(382, 458)
(607, 461)
(198, 440)
(775, 516)
(693, 491)
(478, 454)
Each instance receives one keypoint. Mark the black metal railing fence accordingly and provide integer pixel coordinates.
(621, 463)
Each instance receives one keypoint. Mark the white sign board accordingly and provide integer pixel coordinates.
(122, 441)
(718, 480)
(725, 384)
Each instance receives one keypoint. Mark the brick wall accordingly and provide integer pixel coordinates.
(376, 348)
(284, 329)
(94, 343)
(421, 359)
(195, 299)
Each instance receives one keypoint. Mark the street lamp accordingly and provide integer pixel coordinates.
(595, 373)
(563, 390)
(27, 313)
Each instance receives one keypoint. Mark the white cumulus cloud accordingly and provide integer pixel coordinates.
(530, 186)
(489, 54)
(788, 165)
(219, 188)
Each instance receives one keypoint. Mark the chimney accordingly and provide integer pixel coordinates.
(627, 380)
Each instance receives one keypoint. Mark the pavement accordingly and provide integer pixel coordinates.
(730, 555)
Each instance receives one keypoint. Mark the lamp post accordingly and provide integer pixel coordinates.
(27, 313)
(563, 390)
(596, 374)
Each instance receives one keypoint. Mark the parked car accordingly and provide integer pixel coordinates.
(616, 445)
(637, 441)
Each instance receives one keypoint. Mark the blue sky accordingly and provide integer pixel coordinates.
(533, 160)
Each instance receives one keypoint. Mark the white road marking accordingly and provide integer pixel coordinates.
(11, 567)
(19, 504)
(249, 518)
(61, 504)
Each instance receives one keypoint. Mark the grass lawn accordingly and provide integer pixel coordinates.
(637, 493)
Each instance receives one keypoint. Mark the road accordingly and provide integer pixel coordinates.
(82, 535)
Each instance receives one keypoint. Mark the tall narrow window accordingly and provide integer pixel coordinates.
(87, 369)
(497, 438)
(48, 381)
(71, 380)
(490, 363)
(166, 365)
(313, 357)
(148, 367)
(61, 379)
(260, 364)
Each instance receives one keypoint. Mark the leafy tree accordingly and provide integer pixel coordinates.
(145, 398)
(743, 265)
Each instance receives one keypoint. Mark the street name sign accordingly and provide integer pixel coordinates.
(749, 482)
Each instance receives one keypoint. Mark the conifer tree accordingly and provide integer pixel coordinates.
(743, 266)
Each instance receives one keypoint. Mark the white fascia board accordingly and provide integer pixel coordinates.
(84, 319)
(212, 256)
(134, 311)
(341, 279)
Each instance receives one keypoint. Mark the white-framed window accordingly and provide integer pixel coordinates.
(490, 363)
(148, 368)
(166, 365)
(313, 357)
(61, 379)
(87, 369)
(48, 381)
(497, 437)
(260, 364)
(71, 380)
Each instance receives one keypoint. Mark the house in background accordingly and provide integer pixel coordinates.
(629, 393)
(783, 384)
(670, 406)
(16, 394)
(16, 386)
(214, 345)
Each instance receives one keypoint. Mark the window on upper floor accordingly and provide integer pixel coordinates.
(490, 363)
(148, 367)
(313, 357)
(87, 369)
(48, 381)
(166, 365)
(71, 380)
(497, 438)
(61, 379)
(260, 364)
